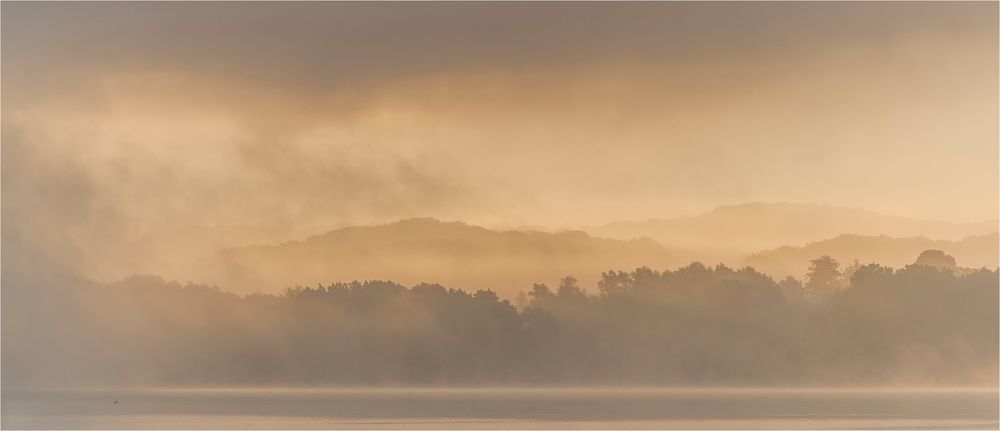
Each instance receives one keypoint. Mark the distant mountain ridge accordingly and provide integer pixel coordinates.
(774, 238)
(454, 254)
(730, 232)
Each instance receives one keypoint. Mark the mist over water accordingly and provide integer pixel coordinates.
(508, 408)
(490, 215)
(697, 325)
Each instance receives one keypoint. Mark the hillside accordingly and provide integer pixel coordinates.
(453, 254)
(974, 251)
(178, 253)
(728, 233)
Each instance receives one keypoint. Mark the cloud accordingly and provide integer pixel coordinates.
(138, 116)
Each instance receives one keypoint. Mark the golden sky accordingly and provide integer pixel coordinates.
(138, 115)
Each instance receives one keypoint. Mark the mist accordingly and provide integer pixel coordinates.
(159, 117)
(564, 197)
(866, 325)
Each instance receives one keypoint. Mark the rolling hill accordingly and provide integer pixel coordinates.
(974, 251)
(454, 254)
(728, 233)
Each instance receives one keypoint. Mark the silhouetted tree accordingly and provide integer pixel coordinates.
(792, 288)
(692, 325)
(936, 259)
(824, 277)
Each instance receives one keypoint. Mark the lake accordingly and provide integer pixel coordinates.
(491, 408)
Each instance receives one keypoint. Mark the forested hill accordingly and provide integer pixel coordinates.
(729, 233)
(980, 251)
(427, 250)
(693, 326)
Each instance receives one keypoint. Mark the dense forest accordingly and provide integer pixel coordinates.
(926, 323)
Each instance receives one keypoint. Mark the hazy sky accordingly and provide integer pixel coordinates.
(136, 115)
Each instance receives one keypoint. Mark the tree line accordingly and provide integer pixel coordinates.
(696, 325)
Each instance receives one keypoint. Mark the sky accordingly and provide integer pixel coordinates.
(121, 117)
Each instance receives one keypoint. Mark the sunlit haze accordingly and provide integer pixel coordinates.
(680, 194)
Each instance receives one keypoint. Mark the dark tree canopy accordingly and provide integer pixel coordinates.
(936, 259)
(693, 325)
(824, 277)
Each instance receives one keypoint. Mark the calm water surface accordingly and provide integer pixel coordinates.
(274, 408)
